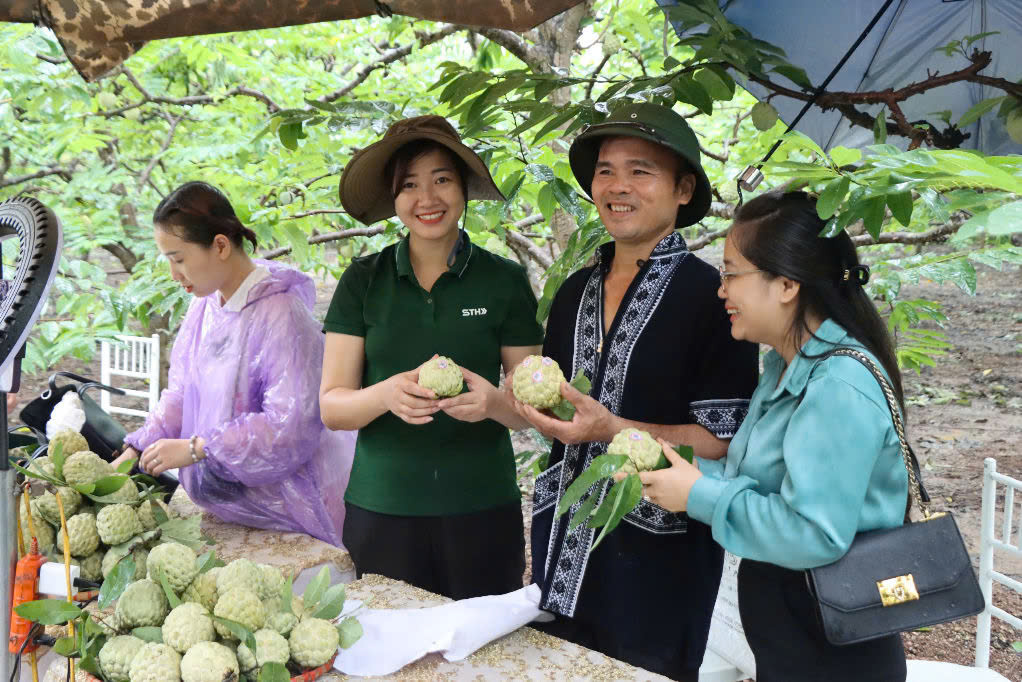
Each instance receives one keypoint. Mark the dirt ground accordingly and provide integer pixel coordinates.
(967, 408)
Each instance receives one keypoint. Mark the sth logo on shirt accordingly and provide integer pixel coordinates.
(472, 312)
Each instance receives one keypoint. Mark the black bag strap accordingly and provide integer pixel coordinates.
(915, 479)
(86, 384)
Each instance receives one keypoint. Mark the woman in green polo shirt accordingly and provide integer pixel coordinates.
(433, 498)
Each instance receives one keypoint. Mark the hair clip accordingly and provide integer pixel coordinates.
(859, 274)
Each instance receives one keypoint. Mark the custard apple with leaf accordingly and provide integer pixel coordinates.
(86, 467)
(271, 647)
(176, 561)
(537, 382)
(145, 512)
(242, 606)
(138, 554)
(642, 450)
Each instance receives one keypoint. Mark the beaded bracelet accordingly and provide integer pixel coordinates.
(191, 450)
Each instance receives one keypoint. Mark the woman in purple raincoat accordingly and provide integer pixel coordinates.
(240, 417)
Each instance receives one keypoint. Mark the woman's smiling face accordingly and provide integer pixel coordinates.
(430, 198)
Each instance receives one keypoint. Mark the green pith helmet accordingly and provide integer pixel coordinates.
(655, 123)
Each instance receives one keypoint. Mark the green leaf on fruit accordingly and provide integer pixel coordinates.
(602, 466)
(48, 611)
(116, 581)
(273, 672)
(316, 587)
(149, 633)
(564, 410)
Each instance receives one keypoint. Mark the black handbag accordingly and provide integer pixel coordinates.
(896, 579)
(102, 432)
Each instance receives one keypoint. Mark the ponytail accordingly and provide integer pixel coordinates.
(197, 212)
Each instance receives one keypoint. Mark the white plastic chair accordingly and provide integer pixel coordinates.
(990, 540)
(134, 357)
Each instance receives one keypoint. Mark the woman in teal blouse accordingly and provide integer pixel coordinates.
(817, 459)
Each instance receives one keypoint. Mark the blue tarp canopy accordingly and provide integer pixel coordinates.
(901, 49)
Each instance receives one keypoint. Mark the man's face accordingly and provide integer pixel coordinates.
(635, 191)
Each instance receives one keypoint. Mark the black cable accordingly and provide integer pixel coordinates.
(820, 89)
(17, 660)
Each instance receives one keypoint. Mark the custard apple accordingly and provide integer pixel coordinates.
(281, 622)
(116, 655)
(155, 663)
(313, 642)
(145, 513)
(117, 523)
(92, 566)
(82, 534)
(202, 589)
(139, 554)
(85, 467)
(69, 442)
(240, 573)
(69, 497)
(109, 623)
(273, 581)
(1013, 124)
(271, 647)
(537, 382)
(187, 625)
(176, 561)
(142, 603)
(242, 606)
(641, 448)
(441, 376)
(209, 662)
(44, 532)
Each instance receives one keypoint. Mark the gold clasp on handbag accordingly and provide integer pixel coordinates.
(897, 590)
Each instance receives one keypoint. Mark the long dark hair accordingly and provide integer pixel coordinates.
(779, 233)
(197, 212)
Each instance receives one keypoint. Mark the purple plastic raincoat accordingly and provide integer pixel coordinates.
(248, 383)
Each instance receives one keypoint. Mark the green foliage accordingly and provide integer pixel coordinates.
(271, 117)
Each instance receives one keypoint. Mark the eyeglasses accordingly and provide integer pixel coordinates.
(726, 276)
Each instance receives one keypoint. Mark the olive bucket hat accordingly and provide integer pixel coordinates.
(655, 123)
(366, 194)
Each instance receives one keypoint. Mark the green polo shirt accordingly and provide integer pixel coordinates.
(482, 303)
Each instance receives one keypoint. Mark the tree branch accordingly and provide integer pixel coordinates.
(520, 241)
(389, 57)
(121, 253)
(706, 239)
(239, 91)
(330, 237)
(937, 234)
(143, 178)
(62, 172)
(318, 211)
(516, 45)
